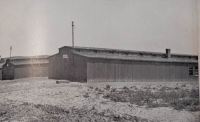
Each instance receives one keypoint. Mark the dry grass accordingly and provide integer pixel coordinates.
(49, 113)
(44, 100)
(177, 98)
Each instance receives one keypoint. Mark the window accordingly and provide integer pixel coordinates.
(153, 55)
(125, 53)
(196, 72)
(193, 71)
(111, 52)
(140, 54)
(65, 56)
(95, 51)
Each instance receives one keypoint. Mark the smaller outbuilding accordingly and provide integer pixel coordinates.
(23, 67)
(8, 70)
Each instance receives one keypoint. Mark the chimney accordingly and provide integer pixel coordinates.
(168, 53)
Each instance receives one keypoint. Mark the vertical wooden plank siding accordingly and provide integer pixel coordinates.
(165, 71)
(80, 69)
(184, 73)
(158, 73)
(88, 72)
(31, 71)
(54, 67)
(0, 74)
(123, 72)
(98, 72)
(119, 71)
(175, 73)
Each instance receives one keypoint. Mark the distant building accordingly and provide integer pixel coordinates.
(8, 70)
(24, 67)
(99, 65)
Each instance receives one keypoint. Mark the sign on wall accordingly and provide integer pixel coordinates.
(65, 56)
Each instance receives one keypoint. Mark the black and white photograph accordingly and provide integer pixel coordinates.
(99, 61)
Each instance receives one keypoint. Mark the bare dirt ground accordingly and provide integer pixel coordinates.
(41, 99)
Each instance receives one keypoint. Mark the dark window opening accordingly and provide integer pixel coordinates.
(193, 71)
(154, 55)
(125, 53)
(140, 54)
(111, 52)
(196, 72)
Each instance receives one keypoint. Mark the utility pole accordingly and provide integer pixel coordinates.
(10, 51)
(73, 66)
(72, 34)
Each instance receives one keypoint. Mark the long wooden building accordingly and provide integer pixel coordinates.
(99, 65)
(24, 67)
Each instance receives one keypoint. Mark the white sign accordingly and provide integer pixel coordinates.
(65, 56)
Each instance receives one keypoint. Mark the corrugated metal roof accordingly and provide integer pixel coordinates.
(124, 51)
(53, 55)
(27, 57)
(31, 60)
(135, 57)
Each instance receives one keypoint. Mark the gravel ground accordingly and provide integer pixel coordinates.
(41, 99)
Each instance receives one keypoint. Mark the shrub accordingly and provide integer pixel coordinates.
(183, 85)
(186, 103)
(194, 108)
(96, 89)
(165, 88)
(113, 90)
(179, 99)
(86, 95)
(91, 87)
(194, 93)
(125, 88)
(107, 87)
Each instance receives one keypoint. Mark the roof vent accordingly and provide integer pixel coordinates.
(168, 53)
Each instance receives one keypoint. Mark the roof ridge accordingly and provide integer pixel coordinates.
(122, 50)
(136, 58)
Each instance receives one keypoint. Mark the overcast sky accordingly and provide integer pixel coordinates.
(40, 27)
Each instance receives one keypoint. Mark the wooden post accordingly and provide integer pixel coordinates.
(10, 51)
(72, 34)
(73, 79)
